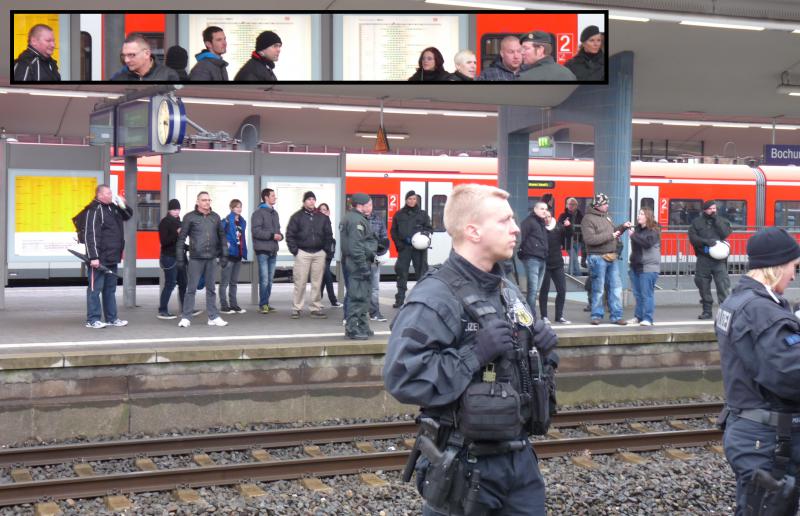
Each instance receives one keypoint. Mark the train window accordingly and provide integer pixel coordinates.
(437, 213)
(683, 211)
(380, 207)
(787, 214)
(734, 211)
(86, 56)
(647, 202)
(148, 209)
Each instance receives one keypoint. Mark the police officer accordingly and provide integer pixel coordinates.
(704, 232)
(359, 247)
(466, 347)
(760, 357)
(410, 220)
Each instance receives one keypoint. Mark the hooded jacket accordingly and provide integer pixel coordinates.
(157, 72)
(546, 69)
(588, 67)
(105, 236)
(598, 232)
(406, 223)
(257, 68)
(33, 66)
(209, 67)
(264, 224)
(235, 236)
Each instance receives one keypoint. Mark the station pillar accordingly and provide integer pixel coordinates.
(129, 272)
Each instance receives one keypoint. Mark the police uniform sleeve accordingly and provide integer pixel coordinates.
(423, 366)
(358, 249)
(777, 338)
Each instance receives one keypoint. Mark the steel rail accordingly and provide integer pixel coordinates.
(28, 492)
(287, 437)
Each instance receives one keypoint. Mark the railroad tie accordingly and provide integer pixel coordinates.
(145, 464)
(638, 427)
(718, 449)
(676, 454)
(408, 443)
(585, 462)
(47, 509)
(553, 433)
(118, 503)
(250, 490)
(366, 447)
(83, 470)
(21, 475)
(594, 430)
(316, 485)
(631, 458)
(373, 480)
(313, 451)
(187, 495)
(202, 460)
(678, 425)
(261, 455)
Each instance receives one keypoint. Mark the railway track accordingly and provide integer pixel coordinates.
(271, 470)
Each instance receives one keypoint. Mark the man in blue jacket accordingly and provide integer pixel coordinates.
(210, 65)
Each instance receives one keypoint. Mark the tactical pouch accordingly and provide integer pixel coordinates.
(543, 396)
(767, 496)
(490, 411)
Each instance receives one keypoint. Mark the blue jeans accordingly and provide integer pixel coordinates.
(574, 261)
(599, 270)
(105, 284)
(535, 268)
(266, 273)
(643, 285)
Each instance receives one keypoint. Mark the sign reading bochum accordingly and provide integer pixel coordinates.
(782, 155)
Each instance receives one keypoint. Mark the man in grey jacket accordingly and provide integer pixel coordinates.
(210, 65)
(601, 237)
(206, 243)
(266, 228)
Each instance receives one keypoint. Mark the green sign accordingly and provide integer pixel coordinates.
(542, 184)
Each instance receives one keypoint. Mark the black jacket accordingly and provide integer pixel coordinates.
(588, 67)
(406, 223)
(257, 68)
(309, 231)
(554, 239)
(33, 66)
(209, 67)
(705, 231)
(533, 239)
(157, 73)
(427, 76)
(168, 234)
(206, 237)
(459, 77)
(571, 233)
(105, 236)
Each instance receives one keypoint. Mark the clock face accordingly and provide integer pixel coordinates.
(164, 122)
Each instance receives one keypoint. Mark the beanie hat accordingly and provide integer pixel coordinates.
(174, 204)
(266, 39)
(588, 32)
(309, 195)
(410, 193)
(600, 200)
(359, 198)
(770, 247)
(709, 203)
(176, 58)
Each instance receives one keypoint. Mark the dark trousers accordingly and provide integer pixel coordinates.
(708, 268)
(359, 289)
(327, 282)
(407, 257)
(173, 275)
(228, 284)
(560, 280)
(201, 269)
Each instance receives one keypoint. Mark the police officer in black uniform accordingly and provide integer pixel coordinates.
(466, 347)
(759, 343)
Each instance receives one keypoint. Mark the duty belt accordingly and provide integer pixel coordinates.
(764, 416)
(496, 448)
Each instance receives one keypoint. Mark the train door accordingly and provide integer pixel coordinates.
(440, 240)
(643, 197)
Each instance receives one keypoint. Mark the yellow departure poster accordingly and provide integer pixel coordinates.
(44, 207)
(24, 22)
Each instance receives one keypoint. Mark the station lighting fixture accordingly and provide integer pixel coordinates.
(61, 93)
(717, 25)
(389, 136)
(712, 123)
(620, 17)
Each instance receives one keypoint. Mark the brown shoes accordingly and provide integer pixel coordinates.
(621, 322)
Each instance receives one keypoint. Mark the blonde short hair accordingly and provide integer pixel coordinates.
(770, 276)
(465, 205)
(461, 57)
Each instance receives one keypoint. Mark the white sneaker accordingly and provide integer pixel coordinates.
(119, 323)
(217, 322)
(185, 323)
(633, 320)
(545, 319)
(563, 321)
(96, 325)
(645, 323)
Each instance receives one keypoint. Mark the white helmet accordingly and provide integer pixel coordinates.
(420, 241)
(720, 250)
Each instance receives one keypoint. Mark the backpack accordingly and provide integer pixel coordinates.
(79, 221)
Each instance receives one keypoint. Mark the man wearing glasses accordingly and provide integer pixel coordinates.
(140, 65)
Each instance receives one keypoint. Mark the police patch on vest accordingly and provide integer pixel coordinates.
(524, 316)
(360, 227)
(723, 320)
(470, 326)
(791, 340)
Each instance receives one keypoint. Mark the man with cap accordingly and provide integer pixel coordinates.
(210, 65)
(704, 232)
(601, 238)
(359, 248)
(307, 236)
(590, 62)
(36, 62)
(177, 58)
(262, 61)
(537, 50)
(168, 230)
(410, 220)
(759, 355)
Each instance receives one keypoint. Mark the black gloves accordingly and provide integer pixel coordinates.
(544, 338)
(493, 340)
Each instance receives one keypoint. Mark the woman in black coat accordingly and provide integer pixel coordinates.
(589, 64)
(431, 67)
(554, 269)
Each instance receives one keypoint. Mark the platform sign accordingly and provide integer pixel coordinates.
(241, 31)
(782, 155)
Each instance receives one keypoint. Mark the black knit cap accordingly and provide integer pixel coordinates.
(266, 39)
(410, 193)
(174, 204)
(770, 247)
(588, 32)
(309, 195)
(177, 58)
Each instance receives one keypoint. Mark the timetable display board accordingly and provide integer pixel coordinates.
(378, 47)
(241, 30)
(24, 22)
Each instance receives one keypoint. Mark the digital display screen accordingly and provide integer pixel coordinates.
(134, 125)
(101, 127)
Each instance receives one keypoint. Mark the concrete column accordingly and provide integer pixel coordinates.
(3, 222)
(129, 274)
(113, 36)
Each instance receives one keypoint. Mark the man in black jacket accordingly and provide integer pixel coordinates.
(105, 240)
(307, 236)
(36, 62)
(207, 242)
(705, 231)
(262, 61)
(411, 219)
(140, 65)
(533, 250)
(210, 65)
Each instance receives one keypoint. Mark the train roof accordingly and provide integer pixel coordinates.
(784, 173)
